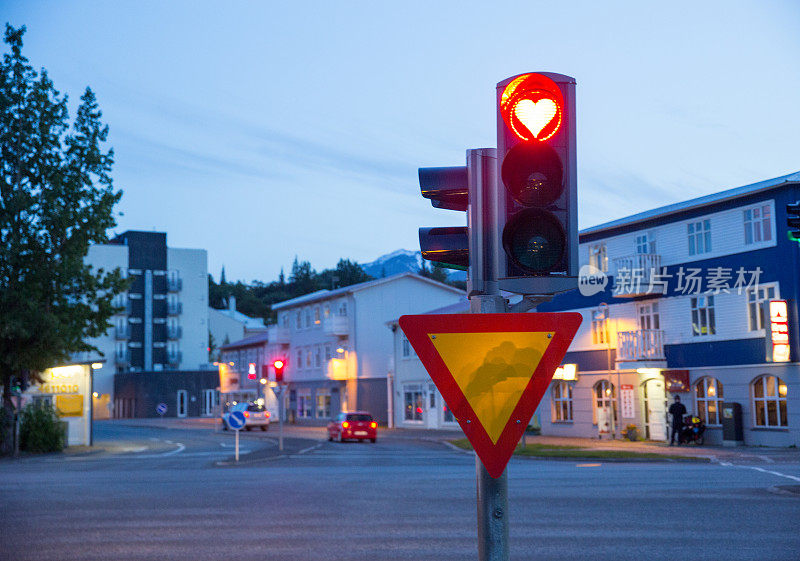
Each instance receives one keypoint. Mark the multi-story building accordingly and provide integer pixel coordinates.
(163, 322)
(338, 354)
(228, 325)
(675, 301)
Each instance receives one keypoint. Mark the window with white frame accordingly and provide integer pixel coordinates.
(308, 317)
(699, 237)
(703, 320)
(562, 401)
(648, 315)
(646, 242)
(757, 224)
(317, 318)
(317, 356)
(414, 402)
(304, 406)
(598, 257)
(327, 353)
(599, 329)
(298, 321)
(447, 415)
(406, 347)
(708, 400)
(342, 311)
(323, 404)
(756, 296)
(284, 320)
(308, 357)
(299, 358)
(769, 402)
(326, 310)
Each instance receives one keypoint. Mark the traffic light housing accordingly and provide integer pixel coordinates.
(537, 192)
(279, 365)
(447, 188)
(793, 219)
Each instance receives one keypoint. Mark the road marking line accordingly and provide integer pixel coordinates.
(762, 470)
(587, 465)
(766, 459)
(304, 450)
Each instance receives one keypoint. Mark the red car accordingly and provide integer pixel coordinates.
(356, 425)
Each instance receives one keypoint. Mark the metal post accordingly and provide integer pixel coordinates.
(237, 445)
(280, 416)
(492, 514)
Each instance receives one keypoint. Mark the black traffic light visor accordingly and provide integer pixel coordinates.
(533, 174)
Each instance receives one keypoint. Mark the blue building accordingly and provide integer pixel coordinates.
(676, 301)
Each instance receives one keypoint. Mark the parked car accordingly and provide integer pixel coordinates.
(356, 425)
(255, 415)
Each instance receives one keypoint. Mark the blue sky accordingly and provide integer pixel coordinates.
(264, 130)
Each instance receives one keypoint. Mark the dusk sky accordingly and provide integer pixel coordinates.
(262, 131)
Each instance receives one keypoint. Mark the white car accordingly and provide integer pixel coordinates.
(255, 415)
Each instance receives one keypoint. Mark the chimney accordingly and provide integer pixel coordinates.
(232, 303)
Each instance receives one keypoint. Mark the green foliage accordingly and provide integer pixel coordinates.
(56, 199)
(40, 429)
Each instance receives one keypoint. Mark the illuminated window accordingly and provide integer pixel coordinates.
(756, 297)
(323, 404)
(304, 410)
(699, 237)
(562, 401)
(599, 328)
(708, 399)
(414, 402)
(317, 319)
(757, 224)
(605, 399)
(769, 402)
(598, 257)
(703, 319)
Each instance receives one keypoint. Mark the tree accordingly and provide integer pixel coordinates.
(56, 198)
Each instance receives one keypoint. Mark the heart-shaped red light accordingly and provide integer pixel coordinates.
(532, 106)
(536, 115)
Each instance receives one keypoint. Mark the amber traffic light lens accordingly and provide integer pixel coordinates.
(535, 241)
(533, 174)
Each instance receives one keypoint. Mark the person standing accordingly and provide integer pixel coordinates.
(677, 410)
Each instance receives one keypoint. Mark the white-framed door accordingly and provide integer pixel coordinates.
(181, 404)
(655, 409)
(210, 401)
(431, 418)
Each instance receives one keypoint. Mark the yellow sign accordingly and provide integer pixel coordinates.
(492, 370)
(69, 405)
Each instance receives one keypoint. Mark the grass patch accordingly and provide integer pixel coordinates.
(554, 451)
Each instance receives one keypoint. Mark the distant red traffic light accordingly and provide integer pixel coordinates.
(532, 106)
(278, 366)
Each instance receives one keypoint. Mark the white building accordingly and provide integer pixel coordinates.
(163, 324)
(228, 325)
(338, 357)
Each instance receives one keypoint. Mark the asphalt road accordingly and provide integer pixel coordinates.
(158, 494)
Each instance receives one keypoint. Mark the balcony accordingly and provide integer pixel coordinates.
(278, 334)
(174, 285)
(174, 332)
(122, 332)
(174, 358)
(640, 345)
(635, 273)
(174, 308)
(336, 325)
(122, 358)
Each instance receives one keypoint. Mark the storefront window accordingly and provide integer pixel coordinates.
(413, 403)
(769, 402)
(708, 399)
(448, 415)
(323, 405)
(562, 401)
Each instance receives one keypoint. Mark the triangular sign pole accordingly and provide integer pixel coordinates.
(492, 371)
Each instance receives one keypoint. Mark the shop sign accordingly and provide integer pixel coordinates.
(676, 380)
(566, 372)
(778, 343)
(626, 406)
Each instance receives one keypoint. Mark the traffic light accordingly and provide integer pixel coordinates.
(278, 365)
(793, 220)
(536, 163)
(447, 188)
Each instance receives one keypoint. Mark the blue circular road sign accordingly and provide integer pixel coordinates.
(236, 420)
(161, 408)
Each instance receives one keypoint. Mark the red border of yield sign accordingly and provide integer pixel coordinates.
(418, 328)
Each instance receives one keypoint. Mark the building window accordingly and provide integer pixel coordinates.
(342, 308)
(317, 356)
(412, 396)
(648, 316)
(708, 399)
(769, 402)
(298, 321)
(605, 401)
(703, 321)
(327, 353)
(447, 415)
(757, 224)
(756, 297)
(406, 350)
(304, 404)
(599, 328)
(699, 237)
(323, 404)
(326, 311)
(562, 401)
(308, 358)
(317, 319)
(308, 318)
(598, 257)
(646, 243)
(299, 358)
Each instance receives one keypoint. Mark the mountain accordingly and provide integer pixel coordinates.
(402, 261)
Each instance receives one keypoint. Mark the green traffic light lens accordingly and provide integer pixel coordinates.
(533, 174)
(535, 241)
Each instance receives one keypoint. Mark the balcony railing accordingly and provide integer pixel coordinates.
(642, 344)
(122, 332)
(634, 274)
(335, 325)
(174, 358)
(174, 285)
(174, 332)
(174, 308)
